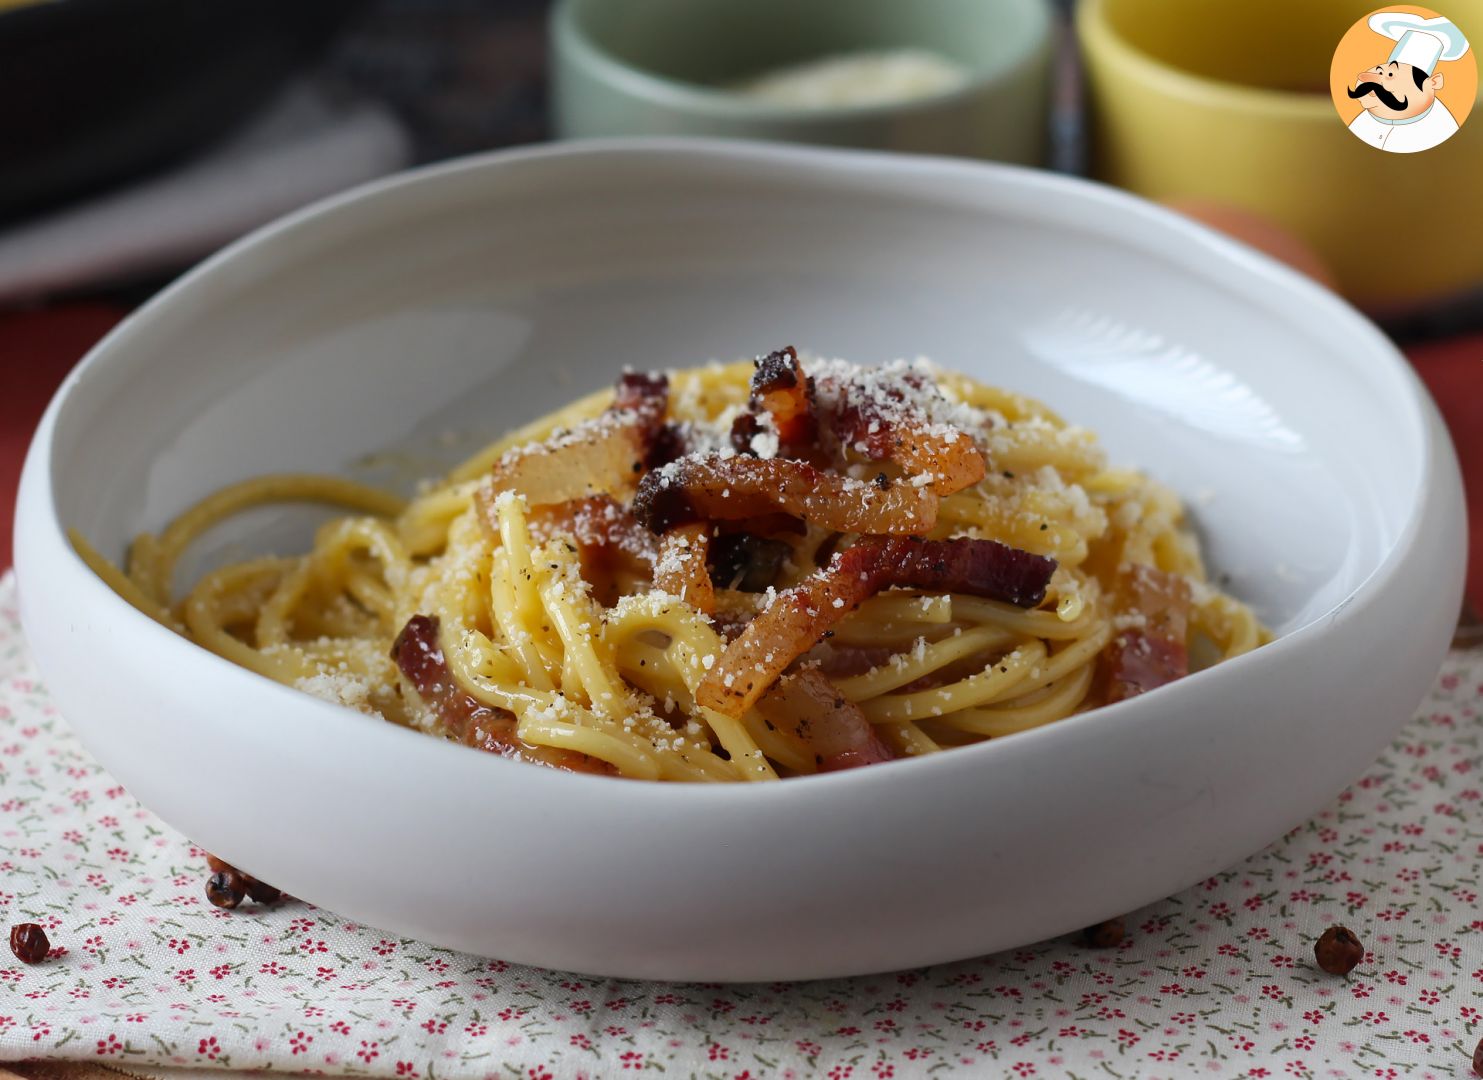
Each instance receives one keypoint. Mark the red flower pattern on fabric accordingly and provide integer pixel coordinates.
(1227, 964)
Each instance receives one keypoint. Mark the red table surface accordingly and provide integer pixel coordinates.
(38, 348)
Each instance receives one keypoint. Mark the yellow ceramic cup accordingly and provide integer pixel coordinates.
(1228, 100)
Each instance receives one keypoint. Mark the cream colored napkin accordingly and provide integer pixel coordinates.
(1218, 980)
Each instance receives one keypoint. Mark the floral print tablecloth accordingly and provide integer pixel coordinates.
(1217, 981)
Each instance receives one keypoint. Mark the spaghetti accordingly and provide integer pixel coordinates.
(729, 573)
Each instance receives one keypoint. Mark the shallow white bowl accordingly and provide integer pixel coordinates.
(471, 297)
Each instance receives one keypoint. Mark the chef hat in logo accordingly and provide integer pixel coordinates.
(1419, 41)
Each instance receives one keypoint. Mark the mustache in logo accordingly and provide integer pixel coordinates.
(1389, 100)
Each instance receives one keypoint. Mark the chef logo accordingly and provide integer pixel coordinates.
(1403, 79)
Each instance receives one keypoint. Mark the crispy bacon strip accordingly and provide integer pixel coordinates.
(600, 456)
(735, 488)
(1140, 659)
(950, 458)
(780, 387)
(604, 455)
(744, 429)
(896, 430)
(778, 524)
(798, 618)
(835, 729)
(842, 661)
(669, 443)
(644, 396)
(468, 720)
(976, 567)
(681, 568)
(788, 629)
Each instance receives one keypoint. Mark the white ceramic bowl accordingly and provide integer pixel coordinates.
(473, 296)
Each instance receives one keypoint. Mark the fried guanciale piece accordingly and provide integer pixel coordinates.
(681, 567)
(419, 656)
(644, 396)
(785, 393)
(832, 727)
(977, 567)
(716, 488)
(1154, 653)
(798, 618)
(884, 424)
(602, 456)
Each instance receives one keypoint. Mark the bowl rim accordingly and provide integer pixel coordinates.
(569, 38)
(37, 511)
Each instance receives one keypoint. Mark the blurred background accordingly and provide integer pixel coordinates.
(138, 136)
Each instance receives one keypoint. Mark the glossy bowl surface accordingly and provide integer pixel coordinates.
(387, 331)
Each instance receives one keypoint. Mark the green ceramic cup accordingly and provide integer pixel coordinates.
(656, 67)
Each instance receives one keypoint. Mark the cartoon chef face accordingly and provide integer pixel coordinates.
(1402, 110)
(1404, 86)
(1396, 90)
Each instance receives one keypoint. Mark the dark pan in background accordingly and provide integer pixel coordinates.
(93, 92)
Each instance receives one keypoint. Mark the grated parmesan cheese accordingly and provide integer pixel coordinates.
(340, 688)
